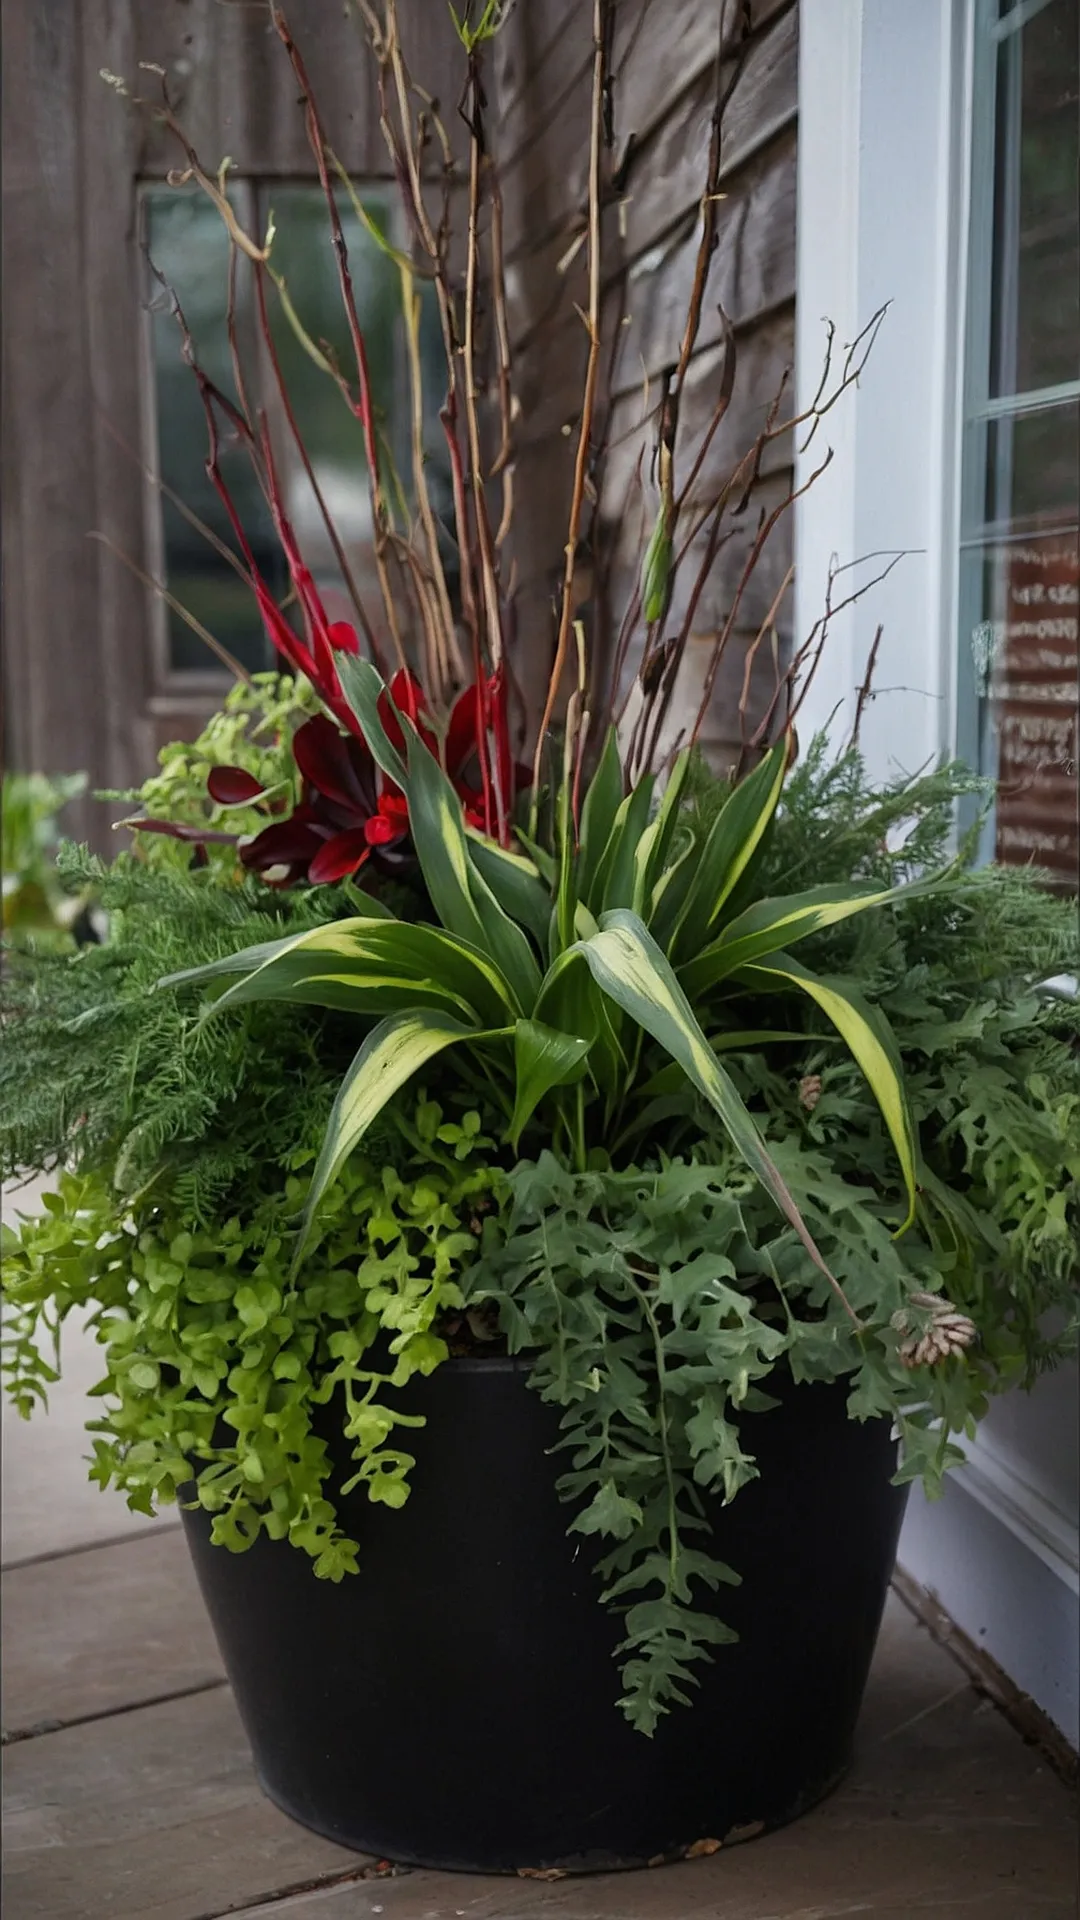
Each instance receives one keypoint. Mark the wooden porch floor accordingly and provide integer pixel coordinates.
(130, 1795)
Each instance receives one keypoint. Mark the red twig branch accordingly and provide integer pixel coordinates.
(581, 464)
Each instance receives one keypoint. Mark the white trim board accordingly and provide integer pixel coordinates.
(882, 214)
(885, 181)
(1030, 1517)
(1002, 1593)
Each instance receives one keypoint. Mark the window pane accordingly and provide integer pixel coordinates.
(1022, 584)
(189, 247)
(1033, 468)
(332, 436)
(1035, 297)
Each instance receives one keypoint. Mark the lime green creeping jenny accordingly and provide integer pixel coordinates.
(545, 972)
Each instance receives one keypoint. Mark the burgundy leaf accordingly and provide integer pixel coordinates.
(463, 732)
(340, 856)
(177, 831)
(231, 786)
(341, 769)
(282, 843)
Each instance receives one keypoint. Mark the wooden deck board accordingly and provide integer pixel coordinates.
(155, 1814)
(102, 1630)
(150, 1815)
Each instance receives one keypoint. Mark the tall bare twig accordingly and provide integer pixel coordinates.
(363, 405)
(866, 690)
(581, 464)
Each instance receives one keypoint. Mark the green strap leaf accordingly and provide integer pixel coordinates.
(460, 895)
(456, 963)
(614, 883)
(570, 1001)
(362, 685)
(544, 861)
(391, 1054)
(566, 891)
(627, 965)
(735, 837)
(771, 924)
(515, 881)
(246, 959)
(653, 850)
(871, 1042)
(602, 802)
(672, 888)
(365, 967)
(543, 1058)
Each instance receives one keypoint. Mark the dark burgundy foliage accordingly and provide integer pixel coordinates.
(347, 810)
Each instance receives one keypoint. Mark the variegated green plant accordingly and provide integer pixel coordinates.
(549, 970)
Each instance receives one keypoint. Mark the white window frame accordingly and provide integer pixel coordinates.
(885, 220)
(884, 214)
(975, 735)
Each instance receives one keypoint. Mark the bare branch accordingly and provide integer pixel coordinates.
(158, 587)
(581, 465)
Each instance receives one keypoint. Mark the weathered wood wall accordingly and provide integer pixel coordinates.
(664, 81)
(78, 683)
(79, 687)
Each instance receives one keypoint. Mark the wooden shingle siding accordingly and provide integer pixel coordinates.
(78, 676)
(73, 655)
(236, 92)
(78, 691)
(664, 54)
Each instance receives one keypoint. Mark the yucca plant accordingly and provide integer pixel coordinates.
(548, 968)
(574, 926)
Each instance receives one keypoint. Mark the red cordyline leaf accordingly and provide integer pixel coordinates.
(405, 696)
(313, 656)
(337, 766)
(177, 830)
(231, 786)
(339, 857)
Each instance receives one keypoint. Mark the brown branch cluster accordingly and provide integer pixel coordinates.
(465, 634)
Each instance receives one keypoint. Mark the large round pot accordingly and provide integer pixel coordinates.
(453, 1704)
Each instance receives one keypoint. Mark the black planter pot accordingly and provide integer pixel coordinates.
(453, 1705)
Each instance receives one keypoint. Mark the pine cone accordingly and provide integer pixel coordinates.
(810, 1090)
(949, 1331)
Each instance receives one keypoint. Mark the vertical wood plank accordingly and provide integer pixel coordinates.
(52, 669)
(110, 146)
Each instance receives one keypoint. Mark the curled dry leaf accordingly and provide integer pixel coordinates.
(701, 1848)
(949, 1331)
(810, 1090)
(748, 1832)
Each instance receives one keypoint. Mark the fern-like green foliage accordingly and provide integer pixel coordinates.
(252, 729)
(661, 1305)
(217, 1368)
(991, 1057)
(100, 1069)
(653, 1281)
